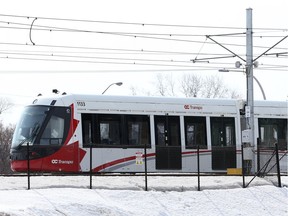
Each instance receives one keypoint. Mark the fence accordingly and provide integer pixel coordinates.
(267, 164)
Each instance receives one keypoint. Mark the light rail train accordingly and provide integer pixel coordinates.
(61, 130)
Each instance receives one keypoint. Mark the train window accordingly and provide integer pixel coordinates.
(31, 121)
(54, 131)
(223, 131)
(112, 130)
(229, 135)
(195, 132)
(160, 131)
(87, 130)
(273, 131)
(167, 131)
(138, 130)
(174, 129)
(109, 126)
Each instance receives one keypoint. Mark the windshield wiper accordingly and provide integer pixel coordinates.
(31, 137)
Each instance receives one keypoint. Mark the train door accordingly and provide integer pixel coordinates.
(168, 147)
(223, 143)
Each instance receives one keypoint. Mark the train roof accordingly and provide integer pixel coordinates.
(140, 104)
(66, 99)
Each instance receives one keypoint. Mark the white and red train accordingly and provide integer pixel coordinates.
(61, 129)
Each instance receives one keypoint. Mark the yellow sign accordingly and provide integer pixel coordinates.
(139, 158)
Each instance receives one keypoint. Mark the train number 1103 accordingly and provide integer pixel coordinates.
(80, 103)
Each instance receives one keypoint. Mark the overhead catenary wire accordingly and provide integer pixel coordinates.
(41, 71)
(141, 35)
(117, 22)
(256, 34)
(62, 29)
(106, 58)
(116, 52)
(116, 49)
(153, 36)
(108, 51)
(102, 62)
(128, 34)
(175, 67)
(56, 54)
(139, 23)
(282, 68)
(132, 34)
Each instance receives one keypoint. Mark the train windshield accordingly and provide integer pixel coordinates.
(42, 125)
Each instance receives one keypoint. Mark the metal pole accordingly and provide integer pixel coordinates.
(249, 75)
(90, 166)
(28, 165)
(145, 160)
(107, 88)
(260, 86)
(198, 166)
(258, 156)
(243, 166)
(118, 83)
(256, 80)
(278, 165)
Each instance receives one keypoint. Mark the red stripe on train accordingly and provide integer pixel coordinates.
(119, 161)
(131, 158)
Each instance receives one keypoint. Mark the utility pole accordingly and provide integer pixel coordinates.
(249, 109)
(248, 134)
(249, 75)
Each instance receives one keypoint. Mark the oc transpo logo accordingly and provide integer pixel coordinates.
(192, 107)
(58, 161)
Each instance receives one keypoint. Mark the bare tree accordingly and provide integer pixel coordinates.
(191, 85)
(213, 87)
(6, 134)
(165, 85)
(171, 84)
(234, 94)
(160, 85)
(208, 87)
(133, 90)
(5, 104)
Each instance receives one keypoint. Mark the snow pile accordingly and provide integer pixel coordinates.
(125, 196)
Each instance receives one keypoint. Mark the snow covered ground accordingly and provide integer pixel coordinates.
(125, 196)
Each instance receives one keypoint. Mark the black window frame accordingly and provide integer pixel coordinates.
(281, 130)
(94, 121)
(61, 113)
(196, 121)
(145, 122)
(114, 124)
(219, 132)
(170, 127)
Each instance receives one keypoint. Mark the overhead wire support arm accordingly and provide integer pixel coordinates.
(211, 58)
(270, 48)
(230, 34)
(209, 37)
(278, 54)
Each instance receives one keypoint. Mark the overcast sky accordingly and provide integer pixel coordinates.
(83, 46)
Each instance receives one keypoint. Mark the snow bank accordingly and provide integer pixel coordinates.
(124, 195)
